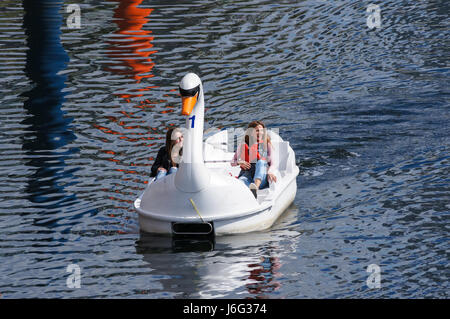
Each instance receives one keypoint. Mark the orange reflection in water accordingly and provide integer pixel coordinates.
(129, 53)
(131, 48)
(264, 276)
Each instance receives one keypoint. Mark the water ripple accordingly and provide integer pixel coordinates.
(85, 111)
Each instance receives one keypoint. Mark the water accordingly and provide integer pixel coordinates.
(366, 111)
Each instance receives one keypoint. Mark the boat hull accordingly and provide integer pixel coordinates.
(256, 221)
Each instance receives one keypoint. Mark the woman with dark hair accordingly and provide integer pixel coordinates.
(169, 155)
(254, 156)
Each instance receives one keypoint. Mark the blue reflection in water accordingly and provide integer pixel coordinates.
(48, 129)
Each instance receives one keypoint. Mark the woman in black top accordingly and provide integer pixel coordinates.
(169, 155)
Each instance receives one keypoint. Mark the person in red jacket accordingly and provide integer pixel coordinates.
(254, 156)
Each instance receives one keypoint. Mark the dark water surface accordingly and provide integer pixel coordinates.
(366, 111)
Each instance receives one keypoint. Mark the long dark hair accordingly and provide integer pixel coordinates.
(253, 125)
(171, 142)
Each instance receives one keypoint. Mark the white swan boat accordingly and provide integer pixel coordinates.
(204, 197)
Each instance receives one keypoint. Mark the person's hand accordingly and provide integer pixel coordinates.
(244, 165)
(271, 177)
(162, 169)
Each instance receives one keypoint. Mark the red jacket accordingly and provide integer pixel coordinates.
(252, 155)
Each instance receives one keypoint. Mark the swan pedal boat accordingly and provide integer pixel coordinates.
(204, 197)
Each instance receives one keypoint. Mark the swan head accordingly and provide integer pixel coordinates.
(189, 91)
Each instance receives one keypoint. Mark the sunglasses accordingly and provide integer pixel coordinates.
(190, 92)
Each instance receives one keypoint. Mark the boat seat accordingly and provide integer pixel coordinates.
(281, 156)
(281, 150)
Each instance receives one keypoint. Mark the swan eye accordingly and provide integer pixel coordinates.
(190, 92)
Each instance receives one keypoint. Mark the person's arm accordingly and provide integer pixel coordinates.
(242, 163)
(235, 161)
(158, 162)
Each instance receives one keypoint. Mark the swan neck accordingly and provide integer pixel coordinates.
(192, 175)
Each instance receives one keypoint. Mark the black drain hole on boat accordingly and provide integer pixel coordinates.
(193, 229)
